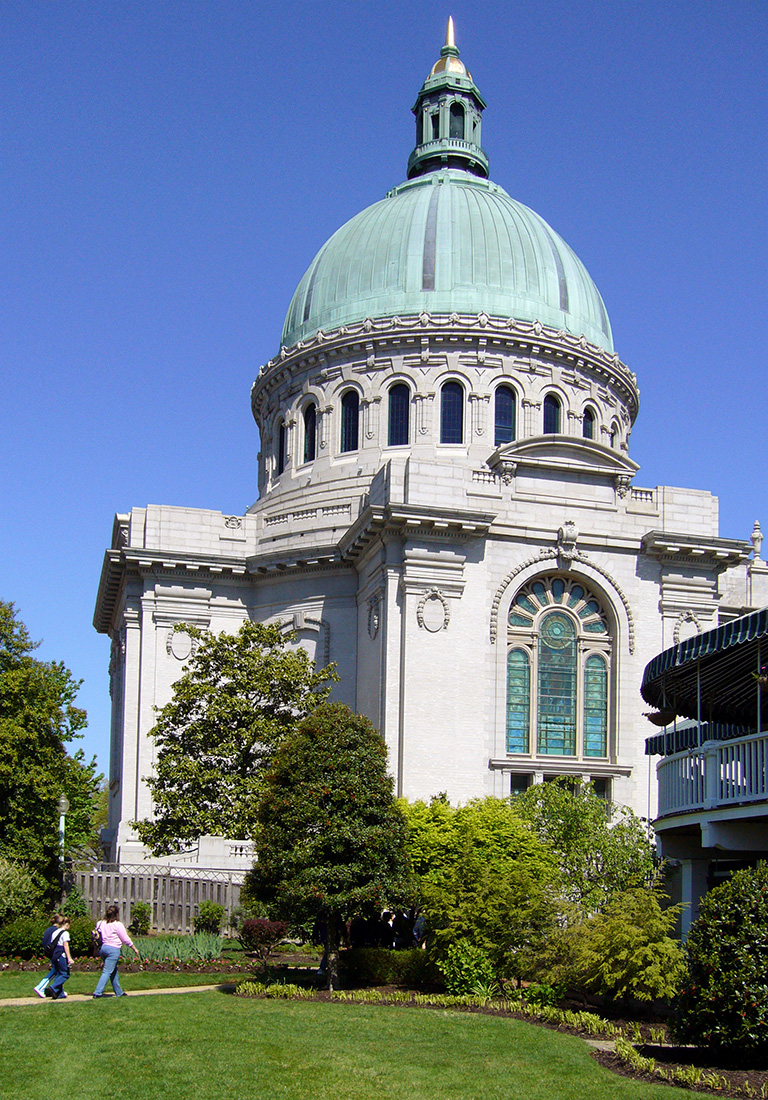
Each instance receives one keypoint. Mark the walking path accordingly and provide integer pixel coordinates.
(226, 987)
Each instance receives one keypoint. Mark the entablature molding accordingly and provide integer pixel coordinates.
(717, 553)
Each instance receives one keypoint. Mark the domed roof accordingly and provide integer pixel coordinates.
(447, 242)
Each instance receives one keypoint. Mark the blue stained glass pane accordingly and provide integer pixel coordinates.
(540, 592)
(557, 686)
(399, 406)
(558, 587)
(591, 608)
(452, 413)
(524, 602)
(350, 410)
(518, 620)
(504, 416)
(595, 628)
(577, 595)
(595, 707)
(518, 701)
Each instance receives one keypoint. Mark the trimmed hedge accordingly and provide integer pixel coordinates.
(380, 966)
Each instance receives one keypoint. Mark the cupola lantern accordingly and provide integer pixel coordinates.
(448, 112)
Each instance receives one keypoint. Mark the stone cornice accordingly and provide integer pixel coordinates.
(521, 337)
(127, 562)
(670, 547)
(406, 519)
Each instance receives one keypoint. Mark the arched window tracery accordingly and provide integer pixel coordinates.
(558, 670)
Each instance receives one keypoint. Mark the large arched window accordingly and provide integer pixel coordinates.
(558, 670)
(310, 432)
(350, 416)
(452, 413)
(551, 415)
(399, 407)
(504, 415)
(457, 121)
(588, 424)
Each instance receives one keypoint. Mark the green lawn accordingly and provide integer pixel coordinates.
(210, 1046)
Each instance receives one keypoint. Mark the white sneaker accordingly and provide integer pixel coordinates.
(39, 992)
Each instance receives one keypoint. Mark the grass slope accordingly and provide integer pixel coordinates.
(210, 1046)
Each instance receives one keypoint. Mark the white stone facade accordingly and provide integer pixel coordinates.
(400, 563)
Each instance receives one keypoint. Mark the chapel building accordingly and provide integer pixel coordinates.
(446, 509)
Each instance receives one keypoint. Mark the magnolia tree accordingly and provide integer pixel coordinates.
(330, 841)
(239, 696)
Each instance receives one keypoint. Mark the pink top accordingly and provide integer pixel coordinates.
(113, 934)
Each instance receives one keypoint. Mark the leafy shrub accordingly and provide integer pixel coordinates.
(79, 936)
(209, 918)
(379, 966)
(625, 951)
(75, 905)
(723, 1001)
(141, 918)
(19, 894)
(22, 937)
(464, 966)
(261, 936)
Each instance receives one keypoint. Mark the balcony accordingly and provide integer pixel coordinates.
(719, 774)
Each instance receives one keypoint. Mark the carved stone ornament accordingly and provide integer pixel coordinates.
(424, 319)
(180, 645)
(756, 538)
(433, 613)
(234, 523)
(623, 482)
(374, 615)
(506, 471)
(566, 543)
(685, 617)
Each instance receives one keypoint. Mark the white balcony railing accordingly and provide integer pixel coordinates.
(720, 773)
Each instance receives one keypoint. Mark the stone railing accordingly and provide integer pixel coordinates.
(719, 773)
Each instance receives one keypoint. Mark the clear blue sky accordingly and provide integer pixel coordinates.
(169, 169)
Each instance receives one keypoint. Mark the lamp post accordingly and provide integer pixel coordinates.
(63, 809)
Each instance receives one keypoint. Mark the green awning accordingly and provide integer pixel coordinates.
(712, 675)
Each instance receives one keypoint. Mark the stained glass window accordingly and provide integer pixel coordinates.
(310, 433)
(557, 685)
(595, 706)
(504, 416)
(452, 413)
(518, 701)
(588, 424)
(399, 405)
(551, 415)
(350, 411)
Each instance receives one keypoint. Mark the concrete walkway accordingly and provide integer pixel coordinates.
(226, 987)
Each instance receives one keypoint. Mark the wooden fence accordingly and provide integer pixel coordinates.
(174, 893)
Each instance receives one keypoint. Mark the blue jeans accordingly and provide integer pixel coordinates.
(61, 967)
(111, 957)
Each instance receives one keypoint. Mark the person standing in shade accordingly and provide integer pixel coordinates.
(113, 937)
(61, 960)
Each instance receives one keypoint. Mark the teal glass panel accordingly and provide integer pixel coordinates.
(526, 604)
(577, 595)
(595, 707)
(556, 723)
(558, 587)
(518, 701)
(540, 592)
(596, 628)
(518, 620)
(591, 608)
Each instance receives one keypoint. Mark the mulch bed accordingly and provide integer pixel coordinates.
(740, 1079)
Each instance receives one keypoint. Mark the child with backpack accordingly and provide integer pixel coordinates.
(48, 945)
(61, 960)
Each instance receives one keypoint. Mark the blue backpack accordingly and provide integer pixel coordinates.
(51, 940)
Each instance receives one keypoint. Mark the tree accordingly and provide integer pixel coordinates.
(239, 696)
(37, 719)
(603, 848)
(485, 879)
(330, 842)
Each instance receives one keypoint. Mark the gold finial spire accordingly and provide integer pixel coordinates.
(450, 34)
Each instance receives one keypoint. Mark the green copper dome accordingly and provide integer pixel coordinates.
(449, 240)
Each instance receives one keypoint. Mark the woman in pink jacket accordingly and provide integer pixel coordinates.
(113, 937)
